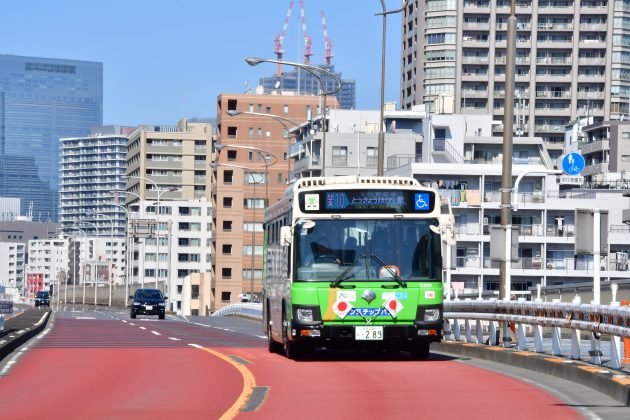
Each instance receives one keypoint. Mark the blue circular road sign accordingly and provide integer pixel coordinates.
(573, 163)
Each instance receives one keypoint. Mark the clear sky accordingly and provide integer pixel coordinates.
(164, 60)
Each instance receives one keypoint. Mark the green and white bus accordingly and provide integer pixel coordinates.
(354, 262)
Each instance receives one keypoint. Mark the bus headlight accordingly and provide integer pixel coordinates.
(304, 315)
(431, 315)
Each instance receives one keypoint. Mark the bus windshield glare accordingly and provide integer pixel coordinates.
(367, 250)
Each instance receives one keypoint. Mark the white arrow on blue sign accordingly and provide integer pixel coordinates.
(573, 163)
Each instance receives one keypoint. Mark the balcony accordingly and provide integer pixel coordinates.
(554, 60)
(469, 93)
(475, 60)
(592, 61)
(595, 147)
(552, 26)
(553, 94)
(484, 26)
(596, 168)
(591, 95)
(594, 27)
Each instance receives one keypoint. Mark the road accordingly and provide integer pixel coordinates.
(101, 364)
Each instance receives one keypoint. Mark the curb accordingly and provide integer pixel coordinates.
(29, 332)
(616, 384)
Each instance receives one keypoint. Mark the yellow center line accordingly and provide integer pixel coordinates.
(249, 383)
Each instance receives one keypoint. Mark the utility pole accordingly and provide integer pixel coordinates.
(508, 134)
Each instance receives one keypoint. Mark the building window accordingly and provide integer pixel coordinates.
(279, 178)
(251, 132)
(252, 227)
(226, 273)
(228, 177)
(247, 250)
(267, 133)
(227, 202)
(285, 133)
(340, 156)
(259, 132)
(231, 132)
(247, 274)
(255, 178)
(286, 109)
(258, 203)
(231, 154)
(227, 249)
(226, 297)
(371, 157)
(251, 108)
(268, 110)
(259, 107)
(232, 104)
(227, 226)
(194, 291)
(250, 156)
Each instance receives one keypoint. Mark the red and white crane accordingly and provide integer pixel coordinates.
(327, 41)
(279, 40)
(307, 39)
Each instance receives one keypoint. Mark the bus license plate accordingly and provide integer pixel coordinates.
(368, 333)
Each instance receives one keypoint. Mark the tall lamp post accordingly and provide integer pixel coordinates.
(214, 166)
(279, 119)
(317, 72)
(157, 231)
(95, 274)
(128, 247)
(381, 132)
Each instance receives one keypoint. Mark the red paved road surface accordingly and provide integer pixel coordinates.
(110, 369)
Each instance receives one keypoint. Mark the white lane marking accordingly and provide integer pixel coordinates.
(131, 323)
(156, 333)
(197, 346)
(84, 317)
(143, 328)
(175, 339)
(262, 336)
(124, 321)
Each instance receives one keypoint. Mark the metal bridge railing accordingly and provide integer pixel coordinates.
(482, 316)
(250, 310)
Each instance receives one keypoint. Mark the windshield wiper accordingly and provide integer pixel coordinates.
(342, 276)
(392, 272)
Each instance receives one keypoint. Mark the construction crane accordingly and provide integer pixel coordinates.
(280, 38)
(327, 41)
(307, 38)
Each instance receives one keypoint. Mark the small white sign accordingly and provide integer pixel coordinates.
(349, 295)
(311, 202)
(571, 180)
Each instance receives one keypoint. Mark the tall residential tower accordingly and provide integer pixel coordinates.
(572, 60)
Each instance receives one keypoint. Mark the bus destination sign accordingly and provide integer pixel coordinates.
(368, 201)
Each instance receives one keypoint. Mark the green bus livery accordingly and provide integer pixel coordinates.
(354, 262)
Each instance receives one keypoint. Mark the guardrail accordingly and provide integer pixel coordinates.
(250, 310)
(601, 321)
(6, 307)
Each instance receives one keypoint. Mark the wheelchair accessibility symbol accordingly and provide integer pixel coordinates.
(421, 201)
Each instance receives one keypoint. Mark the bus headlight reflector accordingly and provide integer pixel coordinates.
(431, 315)
(310, 333)
(305, 315)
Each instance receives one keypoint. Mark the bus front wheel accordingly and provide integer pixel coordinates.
(292, 349)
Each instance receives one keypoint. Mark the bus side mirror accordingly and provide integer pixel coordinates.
(286, 239)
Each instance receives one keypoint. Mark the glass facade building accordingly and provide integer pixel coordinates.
(304, 83)
(42, 100)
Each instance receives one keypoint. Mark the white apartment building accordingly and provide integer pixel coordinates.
(12, 256)
(48, 257)
(169, 246)
(464, 163)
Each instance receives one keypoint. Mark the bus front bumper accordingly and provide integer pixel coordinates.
(331, 336)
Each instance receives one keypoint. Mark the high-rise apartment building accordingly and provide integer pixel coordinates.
(169, 162)
(12, 257)
(572, 59)
(245, 186)
(42, 100)
(301, 82)
(92, 181)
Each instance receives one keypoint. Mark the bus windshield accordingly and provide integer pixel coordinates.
(367, 250)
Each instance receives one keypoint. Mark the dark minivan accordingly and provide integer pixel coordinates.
(148, 302)
(42, 299)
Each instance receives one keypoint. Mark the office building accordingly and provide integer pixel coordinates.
(9, 209)
(572, 60)
(301, 82)
(42, 100)
(92, 181)
(249, 176)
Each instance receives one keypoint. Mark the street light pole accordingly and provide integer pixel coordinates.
(128, 250)
(215, 165)
(94, 274)
(317, 72)
(279, 119)
(508, 138)
(381, 132)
